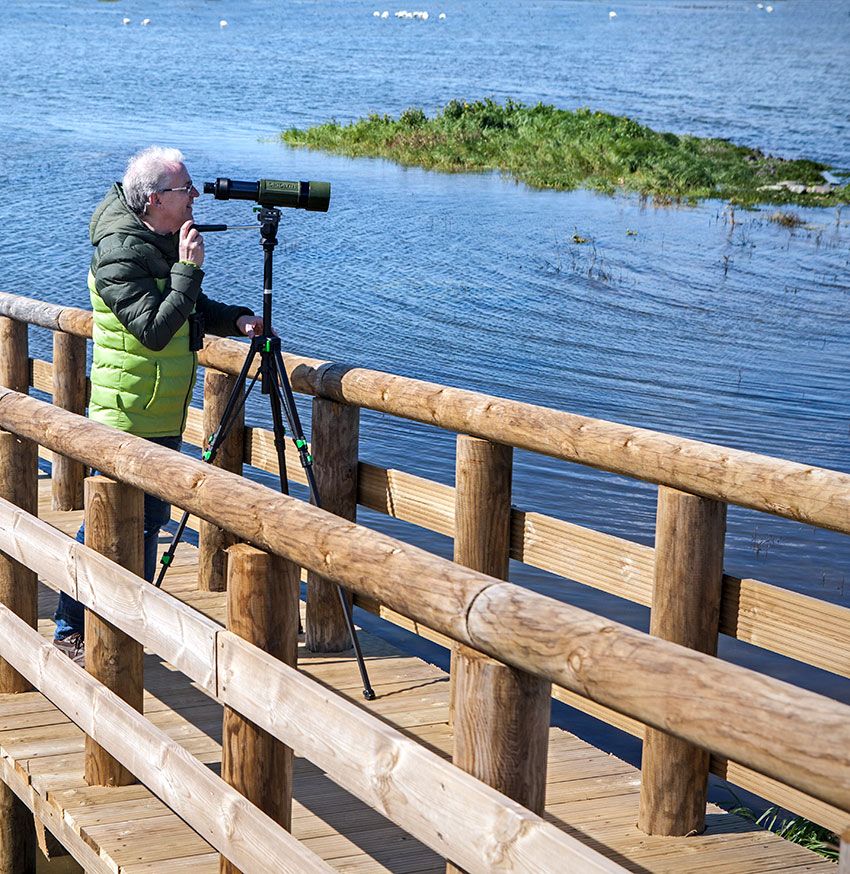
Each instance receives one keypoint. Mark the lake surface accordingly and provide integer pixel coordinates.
(728, 329)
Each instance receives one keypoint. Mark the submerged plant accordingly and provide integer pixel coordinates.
(547, 147)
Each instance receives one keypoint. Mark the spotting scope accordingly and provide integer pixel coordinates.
(313, 196)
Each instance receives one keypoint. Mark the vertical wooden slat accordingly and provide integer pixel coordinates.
(262, 607)
(689, 544)
(336, 434)
(213, 542)
(69, 393)
(19, 592)
(114, 514)
(501, 714)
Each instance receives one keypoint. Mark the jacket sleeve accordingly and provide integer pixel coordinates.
(127, 287)
(220, 318)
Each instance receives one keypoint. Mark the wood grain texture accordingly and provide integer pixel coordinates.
(501, 714)
(14, 354)
(69, 392)
(403, 780)
(222, 817)
(214, 541)
(633, 673)
(689, 543)
(17, 834)
(262, 608)
(795, 491)
(114, 520)
(18, 582)
(335, 445)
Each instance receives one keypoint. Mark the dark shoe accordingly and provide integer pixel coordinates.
(74, 647)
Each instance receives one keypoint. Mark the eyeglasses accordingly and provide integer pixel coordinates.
(188, 188)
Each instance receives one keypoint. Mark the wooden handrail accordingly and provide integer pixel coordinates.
(234, 826)
(814, 495)
(808, 629)
(391, 768)
(752, 719)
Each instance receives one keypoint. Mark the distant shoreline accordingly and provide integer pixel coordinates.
(546, 147)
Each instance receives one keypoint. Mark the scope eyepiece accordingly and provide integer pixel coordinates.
(312, 196)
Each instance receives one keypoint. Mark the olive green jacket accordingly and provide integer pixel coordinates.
(143, 373)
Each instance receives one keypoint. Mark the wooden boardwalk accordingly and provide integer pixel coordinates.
(590, 794)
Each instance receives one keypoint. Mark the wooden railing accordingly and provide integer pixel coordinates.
(785, 743)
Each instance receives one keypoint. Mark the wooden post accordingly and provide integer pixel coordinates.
(18, 584)
(336, 434)
(14, 355)
(262, 607)
(213, 541)
(501, 714)
(17, 834)
(114, 521)
(69, 392)
(689, 542)
(18, 592)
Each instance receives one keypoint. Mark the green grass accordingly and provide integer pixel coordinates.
(546, 147)
(795, 829)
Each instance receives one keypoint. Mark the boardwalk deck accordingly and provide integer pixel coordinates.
(590, 794)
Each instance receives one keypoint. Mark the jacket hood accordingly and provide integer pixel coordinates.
(113, 216)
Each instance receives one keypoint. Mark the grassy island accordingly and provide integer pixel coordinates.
(546, 147)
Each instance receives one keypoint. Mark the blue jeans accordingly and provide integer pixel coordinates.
(70, 614)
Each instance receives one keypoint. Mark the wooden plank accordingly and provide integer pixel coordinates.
(51, 816)
(435, 802)
(171, 629)
(233, 826)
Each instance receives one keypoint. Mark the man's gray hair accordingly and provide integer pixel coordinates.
(147, 172)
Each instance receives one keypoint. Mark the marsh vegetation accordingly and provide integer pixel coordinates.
(546, 147)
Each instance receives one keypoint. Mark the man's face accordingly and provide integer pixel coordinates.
(174, 206)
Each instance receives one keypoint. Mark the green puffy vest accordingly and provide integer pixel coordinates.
(133, 388)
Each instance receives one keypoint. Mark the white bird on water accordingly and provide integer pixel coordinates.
(125, 21)
(385, 14)
(612, 14)
(145, 22)
(222, 24)
(768, 9)
(442, 16)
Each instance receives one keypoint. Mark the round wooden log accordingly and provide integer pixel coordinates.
(501, 714)
(17, 834)
(14, 355)
(262, 607)
(213, 541)
(808, 494)
(18, 584)
(114, 521)
(336, 435)
(773, 485)
(689, 544)
(757, 721)
(69, 392)
(19, 592)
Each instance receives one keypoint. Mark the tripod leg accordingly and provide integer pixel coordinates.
(286, 400)
(234, 403)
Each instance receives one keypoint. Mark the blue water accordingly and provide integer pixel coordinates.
(725, 328)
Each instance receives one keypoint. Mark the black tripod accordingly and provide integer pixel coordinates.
(275, 384)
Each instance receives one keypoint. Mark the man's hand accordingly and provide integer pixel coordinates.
(191, 244)
(250, 326)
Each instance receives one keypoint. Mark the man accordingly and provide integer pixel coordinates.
(145, 288)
